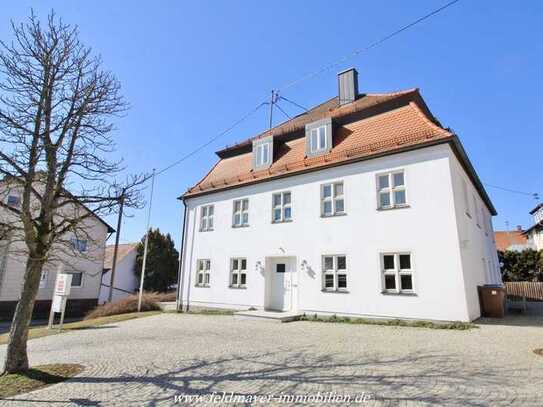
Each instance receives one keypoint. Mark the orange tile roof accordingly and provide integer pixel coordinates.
(405, 123)
(507, 238)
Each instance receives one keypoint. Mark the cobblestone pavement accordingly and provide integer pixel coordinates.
(147, 361)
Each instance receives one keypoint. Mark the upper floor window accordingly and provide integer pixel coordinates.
(238, 273)
(206, 218)
(281, 207)
(241, 213)
(262, 153)
(397, 273)
(13, 201)
(332, 201)
(79, 244)
(203, 270)
(318, 137)
(334, 276)
(391, 190)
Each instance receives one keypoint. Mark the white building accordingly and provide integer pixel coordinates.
(535, 232)
(83, 257)
(125, 282)
(362, 206)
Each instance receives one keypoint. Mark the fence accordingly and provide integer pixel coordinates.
(530, 290)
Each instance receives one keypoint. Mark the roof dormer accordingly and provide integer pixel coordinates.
(318, 137)
(262, 153)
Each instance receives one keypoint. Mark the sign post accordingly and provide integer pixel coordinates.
(63, 284)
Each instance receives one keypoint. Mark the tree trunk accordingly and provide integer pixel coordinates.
(16, 356)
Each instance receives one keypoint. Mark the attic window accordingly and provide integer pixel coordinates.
(318, 141)
(262, 153)
(318, 137)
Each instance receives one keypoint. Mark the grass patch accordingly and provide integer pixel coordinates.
(462, 326)
(96, 323)
(35, 378)
(206, 311)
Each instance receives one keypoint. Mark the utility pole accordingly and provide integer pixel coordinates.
(114, 265)
(140, 294)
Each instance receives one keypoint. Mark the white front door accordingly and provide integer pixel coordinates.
(280, 278)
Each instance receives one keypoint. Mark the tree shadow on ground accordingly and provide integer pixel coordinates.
(432, 378)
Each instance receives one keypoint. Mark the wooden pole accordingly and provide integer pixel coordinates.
(116, 249)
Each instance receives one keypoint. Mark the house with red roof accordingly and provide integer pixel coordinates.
(364, 205)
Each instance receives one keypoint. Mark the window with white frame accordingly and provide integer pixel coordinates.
(14, 201)
(203, 270)
(318, 140)
(262, 154)
(241, 213)
(79, 244)
(238, 272)
(334, 273)
(332, 200)
(465, 197)
(397, 273)
(281, 207)
(391, 191)
(206, 218)
(77, 279)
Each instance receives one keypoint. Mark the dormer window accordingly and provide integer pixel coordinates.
(318, 137)
(317, 141)
(262, 153)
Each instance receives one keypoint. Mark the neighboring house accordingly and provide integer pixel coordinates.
(82, 255)
(535, 232)
(364, 205)
(125, 282)
(512, 240)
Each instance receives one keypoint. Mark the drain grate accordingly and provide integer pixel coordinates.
(538, 352)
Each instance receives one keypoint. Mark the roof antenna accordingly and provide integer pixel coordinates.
(273, 101)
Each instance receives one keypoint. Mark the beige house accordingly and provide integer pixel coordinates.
(81, 254)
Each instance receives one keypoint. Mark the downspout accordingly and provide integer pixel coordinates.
(181, 268)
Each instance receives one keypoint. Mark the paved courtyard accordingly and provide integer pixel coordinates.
(150, 360)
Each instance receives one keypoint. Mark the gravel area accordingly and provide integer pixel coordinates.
(150, 360)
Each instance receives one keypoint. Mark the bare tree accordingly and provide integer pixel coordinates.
(56, 106)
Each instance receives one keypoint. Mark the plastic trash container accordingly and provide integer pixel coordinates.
(492, 300)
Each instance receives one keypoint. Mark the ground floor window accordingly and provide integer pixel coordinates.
(334, 276)
(238, 272)
(397, 273)
(203, 270)
(77, 279)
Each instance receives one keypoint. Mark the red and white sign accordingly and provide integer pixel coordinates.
(63, 284)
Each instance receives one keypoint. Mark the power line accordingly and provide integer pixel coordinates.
(282, 111)
(213, 139)
(367, 48)
(294, 103)
(535, 195)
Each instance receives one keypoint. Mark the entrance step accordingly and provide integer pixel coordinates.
(269, 316)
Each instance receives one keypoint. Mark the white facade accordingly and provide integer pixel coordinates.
(81, 255)
(450, 255)
(126, 282)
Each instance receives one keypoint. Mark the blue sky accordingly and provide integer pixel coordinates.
(190, 69)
